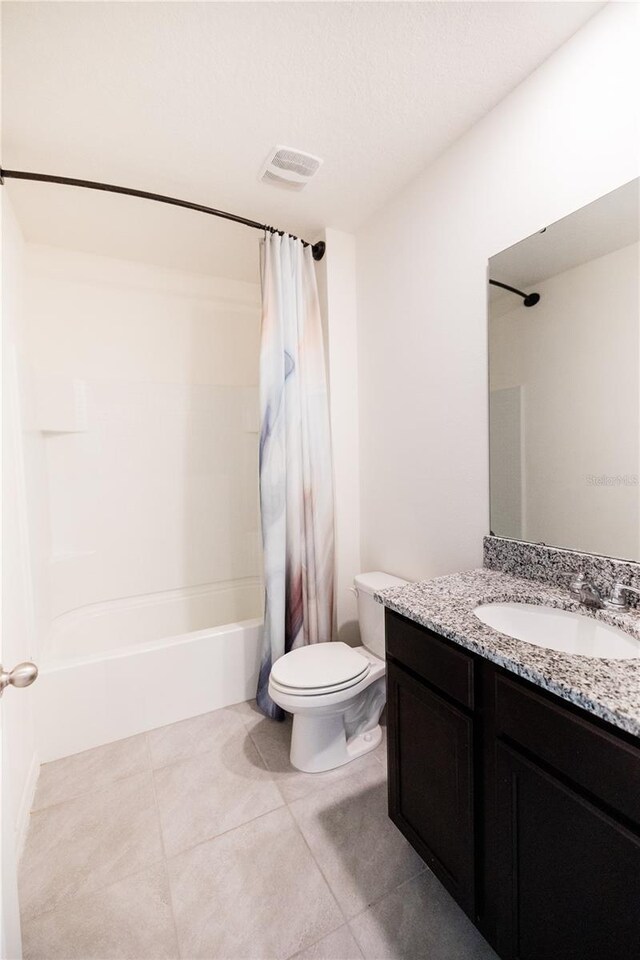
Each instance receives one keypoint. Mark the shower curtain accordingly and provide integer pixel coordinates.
(296, 478)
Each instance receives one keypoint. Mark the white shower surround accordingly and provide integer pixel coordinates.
(166, 664)
(145, 405)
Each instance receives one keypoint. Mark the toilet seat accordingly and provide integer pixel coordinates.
(319, 669)
(317, 691)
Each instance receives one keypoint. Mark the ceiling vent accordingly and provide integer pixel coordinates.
(289, 168)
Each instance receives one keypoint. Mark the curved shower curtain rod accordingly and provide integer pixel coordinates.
(530, 299)
(317, 249)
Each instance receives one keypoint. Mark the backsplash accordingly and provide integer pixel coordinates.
(555, 565)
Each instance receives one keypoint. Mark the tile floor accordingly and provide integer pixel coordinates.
(199, 840)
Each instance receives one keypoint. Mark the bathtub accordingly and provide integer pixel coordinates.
(115, 669)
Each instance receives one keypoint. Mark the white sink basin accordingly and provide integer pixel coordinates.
(560, 630)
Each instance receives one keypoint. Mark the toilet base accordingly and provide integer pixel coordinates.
(334, 727)
(320, 743)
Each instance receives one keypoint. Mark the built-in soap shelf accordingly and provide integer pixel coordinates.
(60, 405)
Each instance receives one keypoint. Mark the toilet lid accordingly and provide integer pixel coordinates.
(319, 665)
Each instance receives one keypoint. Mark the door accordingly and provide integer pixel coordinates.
(431, 780)
(18, 765)
(568, 872)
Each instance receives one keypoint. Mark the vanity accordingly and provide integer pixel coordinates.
(514, 690)
(524, 803)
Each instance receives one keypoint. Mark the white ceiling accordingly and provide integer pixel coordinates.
(607, 224)
(188, 98)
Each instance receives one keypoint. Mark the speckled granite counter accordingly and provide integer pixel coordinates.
(610, 689)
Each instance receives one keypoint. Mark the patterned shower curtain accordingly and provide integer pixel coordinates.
(296, 478)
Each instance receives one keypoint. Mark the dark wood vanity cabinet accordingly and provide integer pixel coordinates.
(525, 807)
(435, 813)
(568, 873)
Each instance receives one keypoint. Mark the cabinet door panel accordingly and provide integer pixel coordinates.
(431, 780)
(568, 874)
(598, 761)
(438, 661)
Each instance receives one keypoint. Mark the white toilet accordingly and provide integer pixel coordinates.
(335, 692)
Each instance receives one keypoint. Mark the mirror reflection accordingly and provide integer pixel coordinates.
(564, 381)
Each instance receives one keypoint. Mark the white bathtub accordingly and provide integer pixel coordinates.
(116, 669)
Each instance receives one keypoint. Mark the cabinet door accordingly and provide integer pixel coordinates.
(431, 780)
(568, 873)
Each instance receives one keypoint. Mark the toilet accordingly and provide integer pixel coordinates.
(335, 692)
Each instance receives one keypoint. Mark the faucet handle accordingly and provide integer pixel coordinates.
(616, 599)
(582, 589)
(576, 582)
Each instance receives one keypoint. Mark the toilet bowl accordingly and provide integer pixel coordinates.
(335, 692)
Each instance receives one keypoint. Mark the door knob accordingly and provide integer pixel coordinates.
(21, 676)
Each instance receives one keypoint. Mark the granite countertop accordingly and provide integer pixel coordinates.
(610, 689)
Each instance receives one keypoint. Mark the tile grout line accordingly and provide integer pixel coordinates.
(320, 787)
(149, 768)
(265, 764)
(328, 885)
(267, 768)
(374, 903)
(289, 803)
(294, 822)
(103, 886)
(322, 873)
(165, 858)
(223, 833)
(320, 939)
(81, 896)
(355, 939)
(94, 789)
(164, 851)
(348, 920)
(180, 853)
(200, 753)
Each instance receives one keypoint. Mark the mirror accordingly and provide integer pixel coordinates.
(564, 382)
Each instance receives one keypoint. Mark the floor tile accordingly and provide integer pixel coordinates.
(273, 740)
(380, 753)
(128, 920)
(339, 945)
(361, 853)
(249, 712)
(190, 738)
(83, 772)
(207, 795)
(419, 919)
(81, 845)
(93, 886)
(254, 892)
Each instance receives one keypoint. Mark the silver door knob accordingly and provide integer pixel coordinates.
(21, 676)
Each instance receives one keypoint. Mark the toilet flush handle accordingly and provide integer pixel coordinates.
(354, 591)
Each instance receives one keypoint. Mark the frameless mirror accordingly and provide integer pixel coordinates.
(564, 381)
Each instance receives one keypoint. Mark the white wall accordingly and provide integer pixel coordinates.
(146, 386)
(576, 357)
(336, 274)
(567, 135)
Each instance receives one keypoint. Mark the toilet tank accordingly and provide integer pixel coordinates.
(371, 613)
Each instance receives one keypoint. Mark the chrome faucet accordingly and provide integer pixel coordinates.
(616, 599)
(585, 592)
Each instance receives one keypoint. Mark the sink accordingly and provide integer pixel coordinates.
(561, 630)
